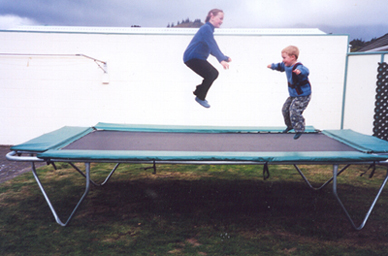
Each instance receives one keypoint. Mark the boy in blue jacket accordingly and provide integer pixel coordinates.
(299, 89)
(196, 54)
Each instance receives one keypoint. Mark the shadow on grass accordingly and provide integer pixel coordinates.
(164, 213)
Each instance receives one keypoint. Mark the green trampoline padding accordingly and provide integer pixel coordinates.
(362, 148)
(361, 142)
(122, 155)
(54, 139)
(195, 129)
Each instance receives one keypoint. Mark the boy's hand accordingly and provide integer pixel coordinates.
(269, 66)
(296, 71)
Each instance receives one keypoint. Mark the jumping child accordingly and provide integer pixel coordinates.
(196, 54)
(299, 89)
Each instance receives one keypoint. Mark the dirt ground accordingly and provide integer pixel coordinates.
(11, 169)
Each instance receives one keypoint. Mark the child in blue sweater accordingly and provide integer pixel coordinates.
(196, 54)
(299, 89)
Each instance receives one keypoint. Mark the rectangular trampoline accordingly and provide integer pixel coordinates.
(157, 144)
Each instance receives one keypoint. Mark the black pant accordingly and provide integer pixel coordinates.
(207, 72)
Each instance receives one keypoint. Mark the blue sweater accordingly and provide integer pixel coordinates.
(301, 86)
(203, 44)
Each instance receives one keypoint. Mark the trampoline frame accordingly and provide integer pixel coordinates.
(35, 156)
(15, 156)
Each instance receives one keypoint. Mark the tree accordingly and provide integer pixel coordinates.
(356, 44)
(187, 23)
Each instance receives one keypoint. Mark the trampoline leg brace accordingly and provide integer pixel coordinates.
(335, 173)
(324, 184)
(87, 187)
(153, 167)
(95, 183)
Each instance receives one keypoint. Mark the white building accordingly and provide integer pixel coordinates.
(56, 76)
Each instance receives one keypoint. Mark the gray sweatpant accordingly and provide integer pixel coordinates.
(292, 112)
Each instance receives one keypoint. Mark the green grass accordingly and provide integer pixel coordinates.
(193, 210)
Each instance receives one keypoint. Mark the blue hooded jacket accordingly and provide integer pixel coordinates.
(203, 44)
(298, 85)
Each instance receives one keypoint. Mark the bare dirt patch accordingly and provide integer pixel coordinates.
(11, 169)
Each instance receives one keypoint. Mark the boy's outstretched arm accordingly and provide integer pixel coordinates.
(279, 66)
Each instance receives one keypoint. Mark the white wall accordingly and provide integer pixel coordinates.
(149, 84)
(361, 92)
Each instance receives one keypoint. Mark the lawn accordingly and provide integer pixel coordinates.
(193, 210)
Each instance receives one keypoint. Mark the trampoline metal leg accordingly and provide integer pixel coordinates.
(324, 184)
(335, 171)
(87, 187)
(95, 183)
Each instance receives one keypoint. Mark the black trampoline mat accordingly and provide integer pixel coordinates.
(223, 142)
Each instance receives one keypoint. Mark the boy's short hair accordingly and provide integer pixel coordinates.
(291, 50)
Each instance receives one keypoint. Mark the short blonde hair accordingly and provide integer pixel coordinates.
(291, 50)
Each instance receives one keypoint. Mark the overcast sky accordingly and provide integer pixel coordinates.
(360, 19)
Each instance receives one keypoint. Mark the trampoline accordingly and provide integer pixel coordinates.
(157, 144)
